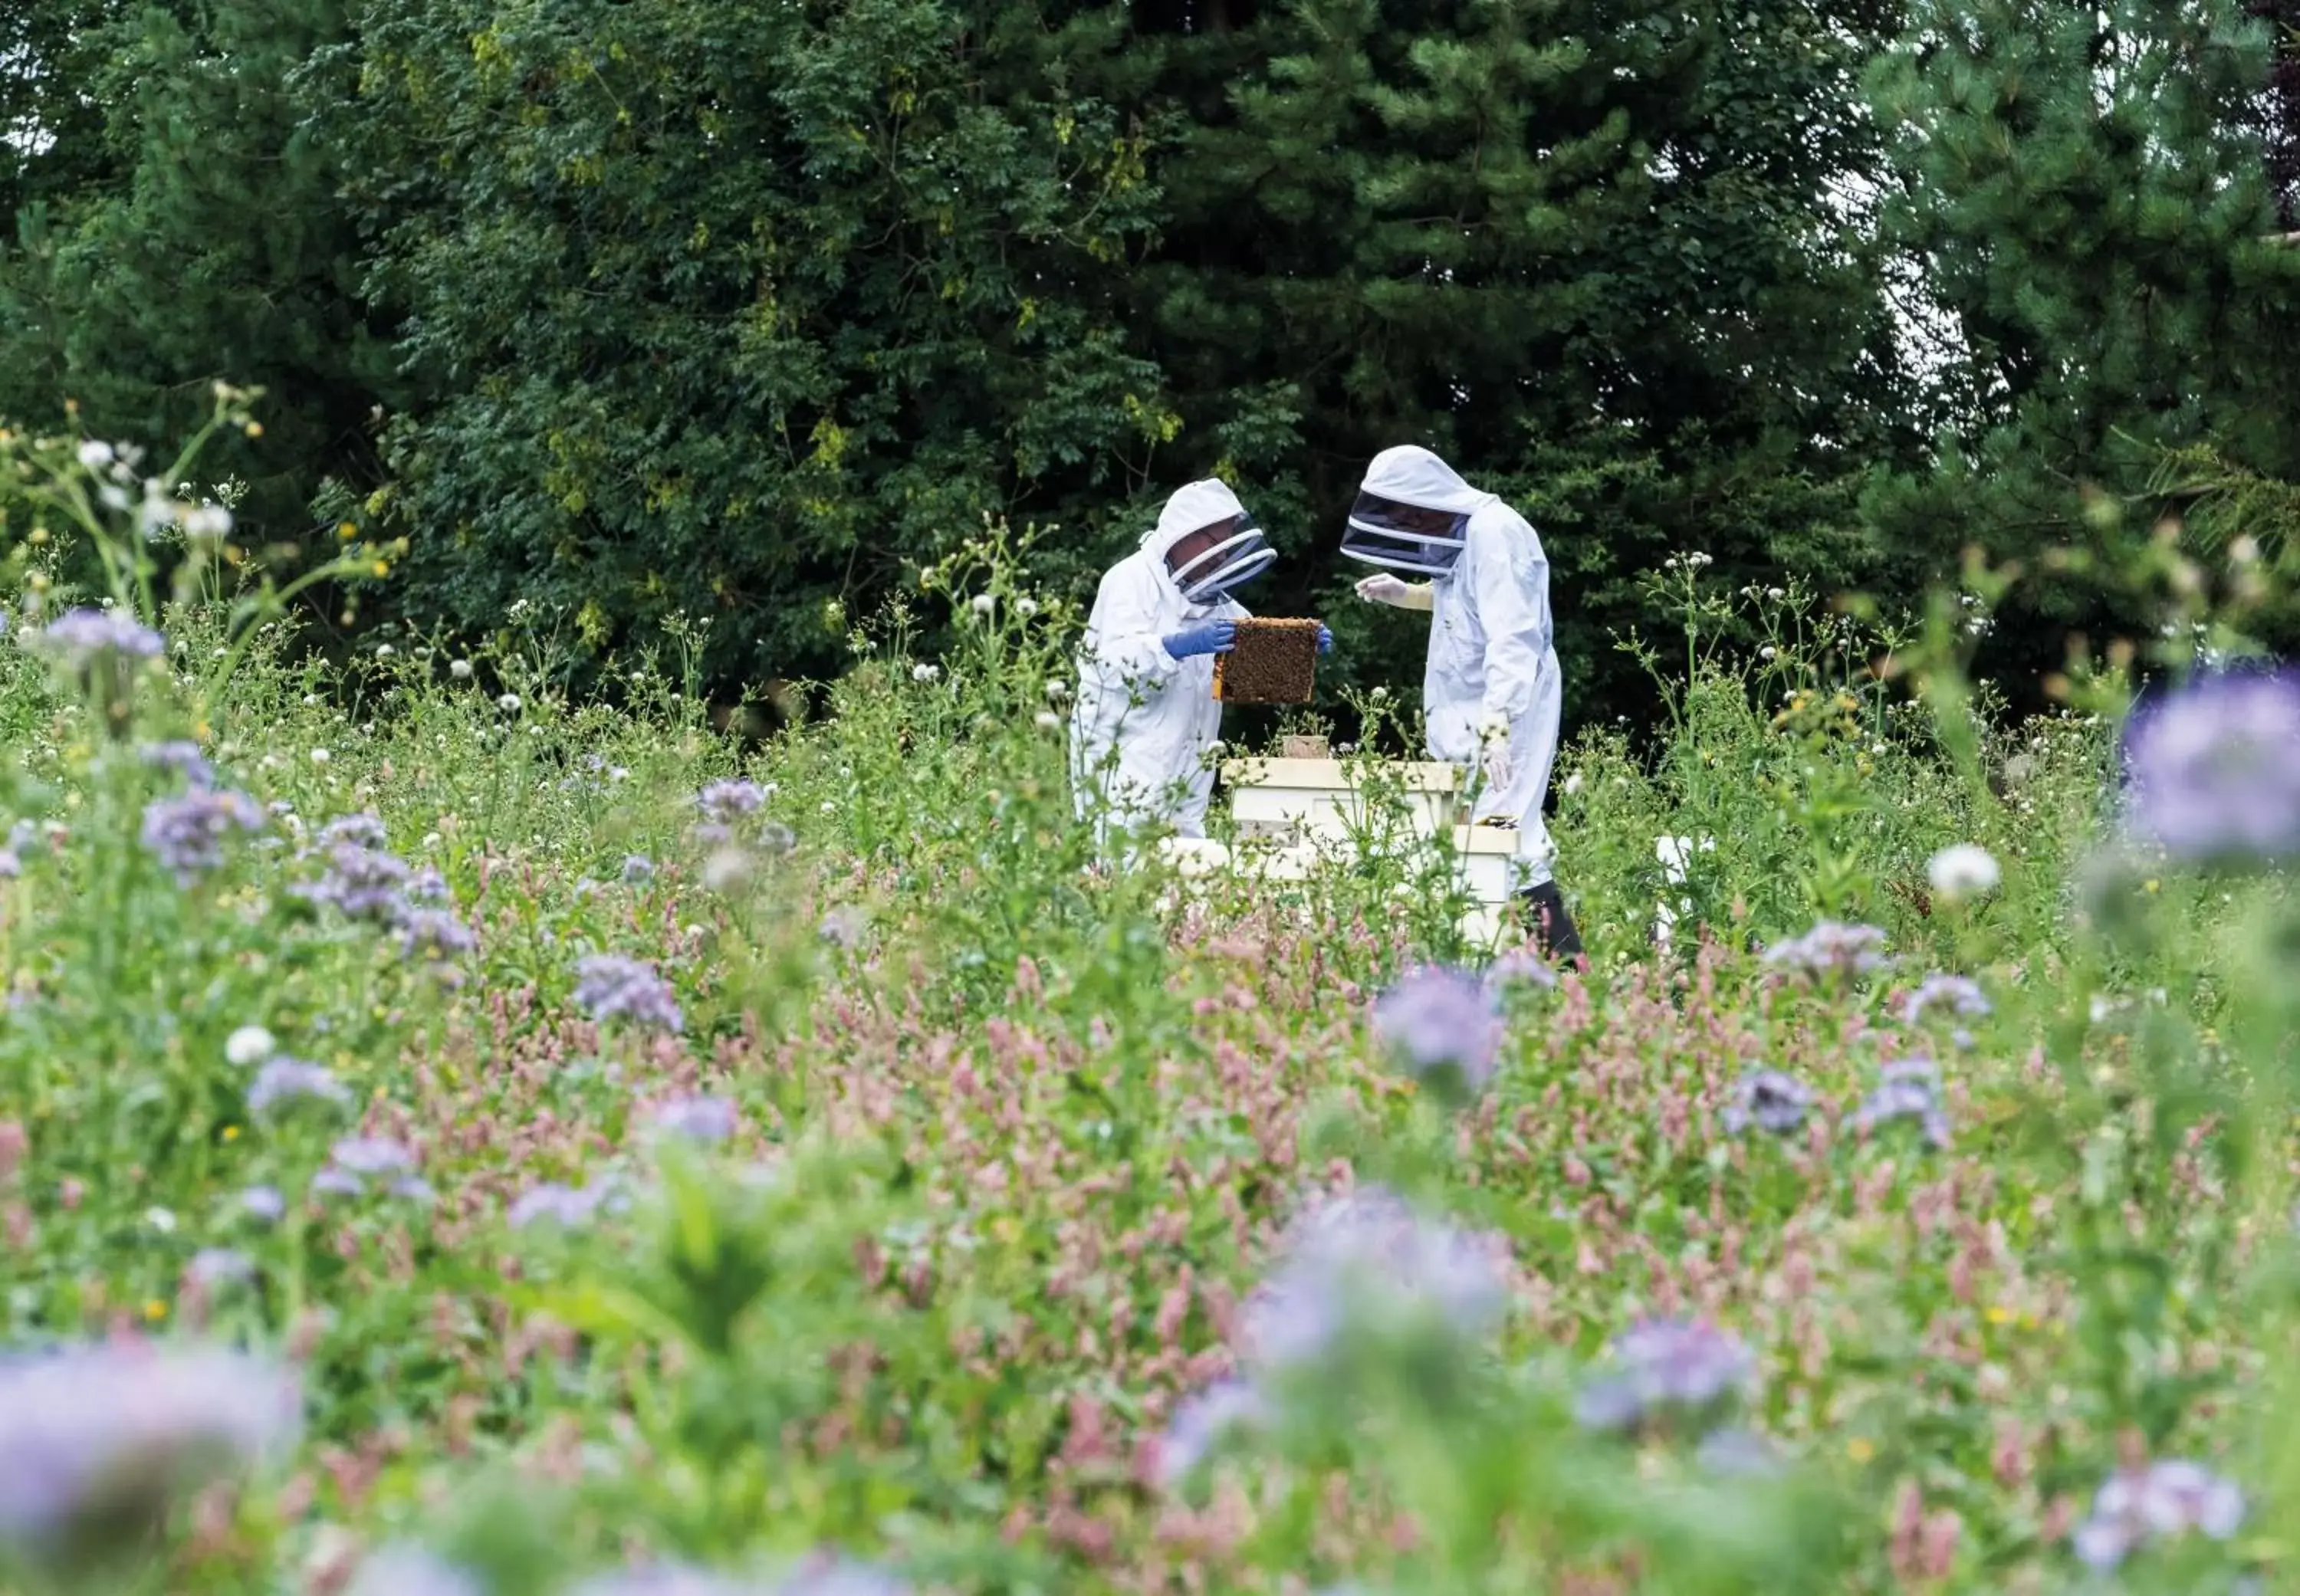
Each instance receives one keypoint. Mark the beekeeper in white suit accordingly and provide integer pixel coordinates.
(1491, 692)
(1147, 713)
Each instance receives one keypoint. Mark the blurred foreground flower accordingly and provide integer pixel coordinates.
(1442, 1022)
(1366, 1260)
(1668, 1369)
(284, 1082)
(2162, 1501)
(698, 1118)
(1768, 1100)
(1966, 870)
(180, 759)
(554, 1204)
(1830, 948)
(614, 986)
(1199, 1424)
(2215, 768)
(411, 1571)
(186, 834)
(725, 801)
(1911, 1090)
(84, 638)
(98, 1445)
(1961, 993)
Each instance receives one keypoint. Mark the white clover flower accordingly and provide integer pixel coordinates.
(1026, 607)
(829, 808)
(94, 455)
(983, 603)
(1694, 562)
(1964, 870)
(311, 701)
(461, 669)
(161, 1219)
(320, 756)
(249, 1044)
(384, 651)
(925, 673)
(1775, 593)
(508, 703)
(1573, 784)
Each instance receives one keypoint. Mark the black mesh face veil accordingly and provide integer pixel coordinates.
(1210, 561)
(1404, 539)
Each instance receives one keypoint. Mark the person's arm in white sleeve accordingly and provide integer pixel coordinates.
(1123, 636)
(1513, 600)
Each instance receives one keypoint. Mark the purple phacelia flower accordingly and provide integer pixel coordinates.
(182, 759)
(724, 801)
(665, 1579)
(338, 1182)
(263, 1202)
(426, 885)
(360, 830)
(284, 1082)
(1768, 1100)
(1667, 1369)
(1910, 1090)
(81, 637)
(372, 1155)
(698, 1118)
(211, 1266)
(1442, 1022)
(2159, 1502)
(99, 1445)
(1960, 994)
(612, 987)
(186, 834)
(553, 1203)
(637, 870)
(842, 1576)
(404, 1570)
(1739, 1453)
(414, 1188)
(434, 933)
(1201, 1422)
(1521, 963)
(362, 884)
(2215, 768)
(1367, 1261)
(1832, 948)
(843, 927)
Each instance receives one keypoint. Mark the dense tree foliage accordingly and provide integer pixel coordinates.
(642, 307)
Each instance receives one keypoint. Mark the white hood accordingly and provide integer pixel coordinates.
(1410, 474)
(1197, 504)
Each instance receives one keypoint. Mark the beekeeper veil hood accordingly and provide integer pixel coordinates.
(1207, 543)
(1412, 513)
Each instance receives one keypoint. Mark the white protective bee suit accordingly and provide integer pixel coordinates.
(1143, 719)
(1491, 660)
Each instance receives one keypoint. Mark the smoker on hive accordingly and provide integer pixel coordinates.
(1146, 712)
(1490, 692)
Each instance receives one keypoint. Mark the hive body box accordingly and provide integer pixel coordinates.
(1311, 811)
(1328, 800)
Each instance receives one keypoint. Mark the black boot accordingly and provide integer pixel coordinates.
(1552, 928)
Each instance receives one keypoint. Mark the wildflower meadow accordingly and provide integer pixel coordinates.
(460, 1134)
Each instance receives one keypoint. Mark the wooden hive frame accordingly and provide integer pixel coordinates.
(1274, 662)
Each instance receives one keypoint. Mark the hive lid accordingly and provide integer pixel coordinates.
(1415, 775)
(1485, 839)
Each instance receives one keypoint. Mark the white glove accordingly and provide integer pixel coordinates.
(1497, 766)
(1383, 588)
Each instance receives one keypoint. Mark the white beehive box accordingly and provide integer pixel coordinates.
(1481, 865)
(1327, 799)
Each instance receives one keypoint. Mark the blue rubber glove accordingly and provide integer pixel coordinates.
(1207, 638)
(1325, 639)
